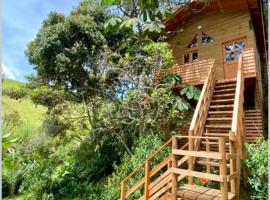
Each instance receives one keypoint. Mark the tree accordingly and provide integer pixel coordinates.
(72, 53)
(145, 17)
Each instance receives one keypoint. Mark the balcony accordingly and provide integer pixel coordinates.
(195, 73)
(192, 73)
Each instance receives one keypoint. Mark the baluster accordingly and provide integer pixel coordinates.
(223, 169)
(190, 163)
(174, 165)
(123, 190)
(147, 179)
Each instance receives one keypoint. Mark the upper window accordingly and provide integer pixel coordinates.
(206, 39)
(191, 57)
(194, 42)
(233, 50)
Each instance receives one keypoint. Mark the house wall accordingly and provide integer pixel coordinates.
(222, 27)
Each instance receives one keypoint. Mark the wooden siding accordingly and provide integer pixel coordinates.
(222, 27)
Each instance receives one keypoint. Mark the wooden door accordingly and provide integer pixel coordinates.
(231, 51)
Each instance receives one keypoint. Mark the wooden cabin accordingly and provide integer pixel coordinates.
(219, 46)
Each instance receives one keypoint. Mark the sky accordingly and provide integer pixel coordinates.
(21, 22)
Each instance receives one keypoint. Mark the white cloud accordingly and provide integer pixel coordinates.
(8, 72)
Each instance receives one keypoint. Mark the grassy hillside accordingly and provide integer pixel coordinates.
(30, 115)
(11, 84)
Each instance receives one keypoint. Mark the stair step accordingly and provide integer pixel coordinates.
(215, 164)
(225, 86)
(220, 112)
(219, 119)
(200, 192)
(221, 96)
(212, 143)
(227, 81)
(221, 106)
(222, 126)
(222, 101)
(224, 91)
(216, 134)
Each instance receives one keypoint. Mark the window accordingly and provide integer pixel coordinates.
(206, 39)
(194, 42)
(191, 57)
(186, 58)
(233, 50)
(194, 56)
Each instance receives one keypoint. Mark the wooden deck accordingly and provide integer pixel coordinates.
(194, 192)
(195, 73)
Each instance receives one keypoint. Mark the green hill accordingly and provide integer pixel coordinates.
(30, 115)
(11, 84)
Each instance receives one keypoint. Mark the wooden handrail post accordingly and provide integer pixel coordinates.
(223, 169)
(147, 179)
(190, 162)
(174, 165)
(232, 164)
(123, 190)
(208, 168)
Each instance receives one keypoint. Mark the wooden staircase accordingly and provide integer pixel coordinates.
(213, 150)
(254, 125)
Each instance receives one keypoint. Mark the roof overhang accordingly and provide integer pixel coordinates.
(189, 11)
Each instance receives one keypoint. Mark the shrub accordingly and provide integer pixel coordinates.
(143, 148)
(256, 163)
(17, 93)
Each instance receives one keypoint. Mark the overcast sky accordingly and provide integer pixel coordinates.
(21, 21)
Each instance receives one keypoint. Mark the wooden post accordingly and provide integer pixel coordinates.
(223, 169)
(190, 162)
(174, 165)
(208, 167)
(123, 190)
(232, 162)
(147, 179)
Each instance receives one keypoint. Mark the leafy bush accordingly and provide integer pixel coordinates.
(16, 93)
(256, 163)
(143, 148)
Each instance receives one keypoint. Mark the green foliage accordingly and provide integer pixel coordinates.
(142, 16)
(191, 92)
(256, 163)
(48, 97)
(13, 169)
(143, 148)
(16, 93)
(171, 79)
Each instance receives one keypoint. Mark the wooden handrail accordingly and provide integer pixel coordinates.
(149, 158)
(206, 94)
(148, 173)
(238, 95)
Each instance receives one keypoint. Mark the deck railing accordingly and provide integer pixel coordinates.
(192, 73)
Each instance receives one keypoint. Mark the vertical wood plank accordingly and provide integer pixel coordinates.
(147, 179)
(123, 190)
(223, 169)
(174, 165)
(208, 168)
(190, 163)
(232, 165)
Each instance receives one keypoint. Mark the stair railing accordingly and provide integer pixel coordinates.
(156, 180)
(221, 156)
(237, 132)
(200, 114)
